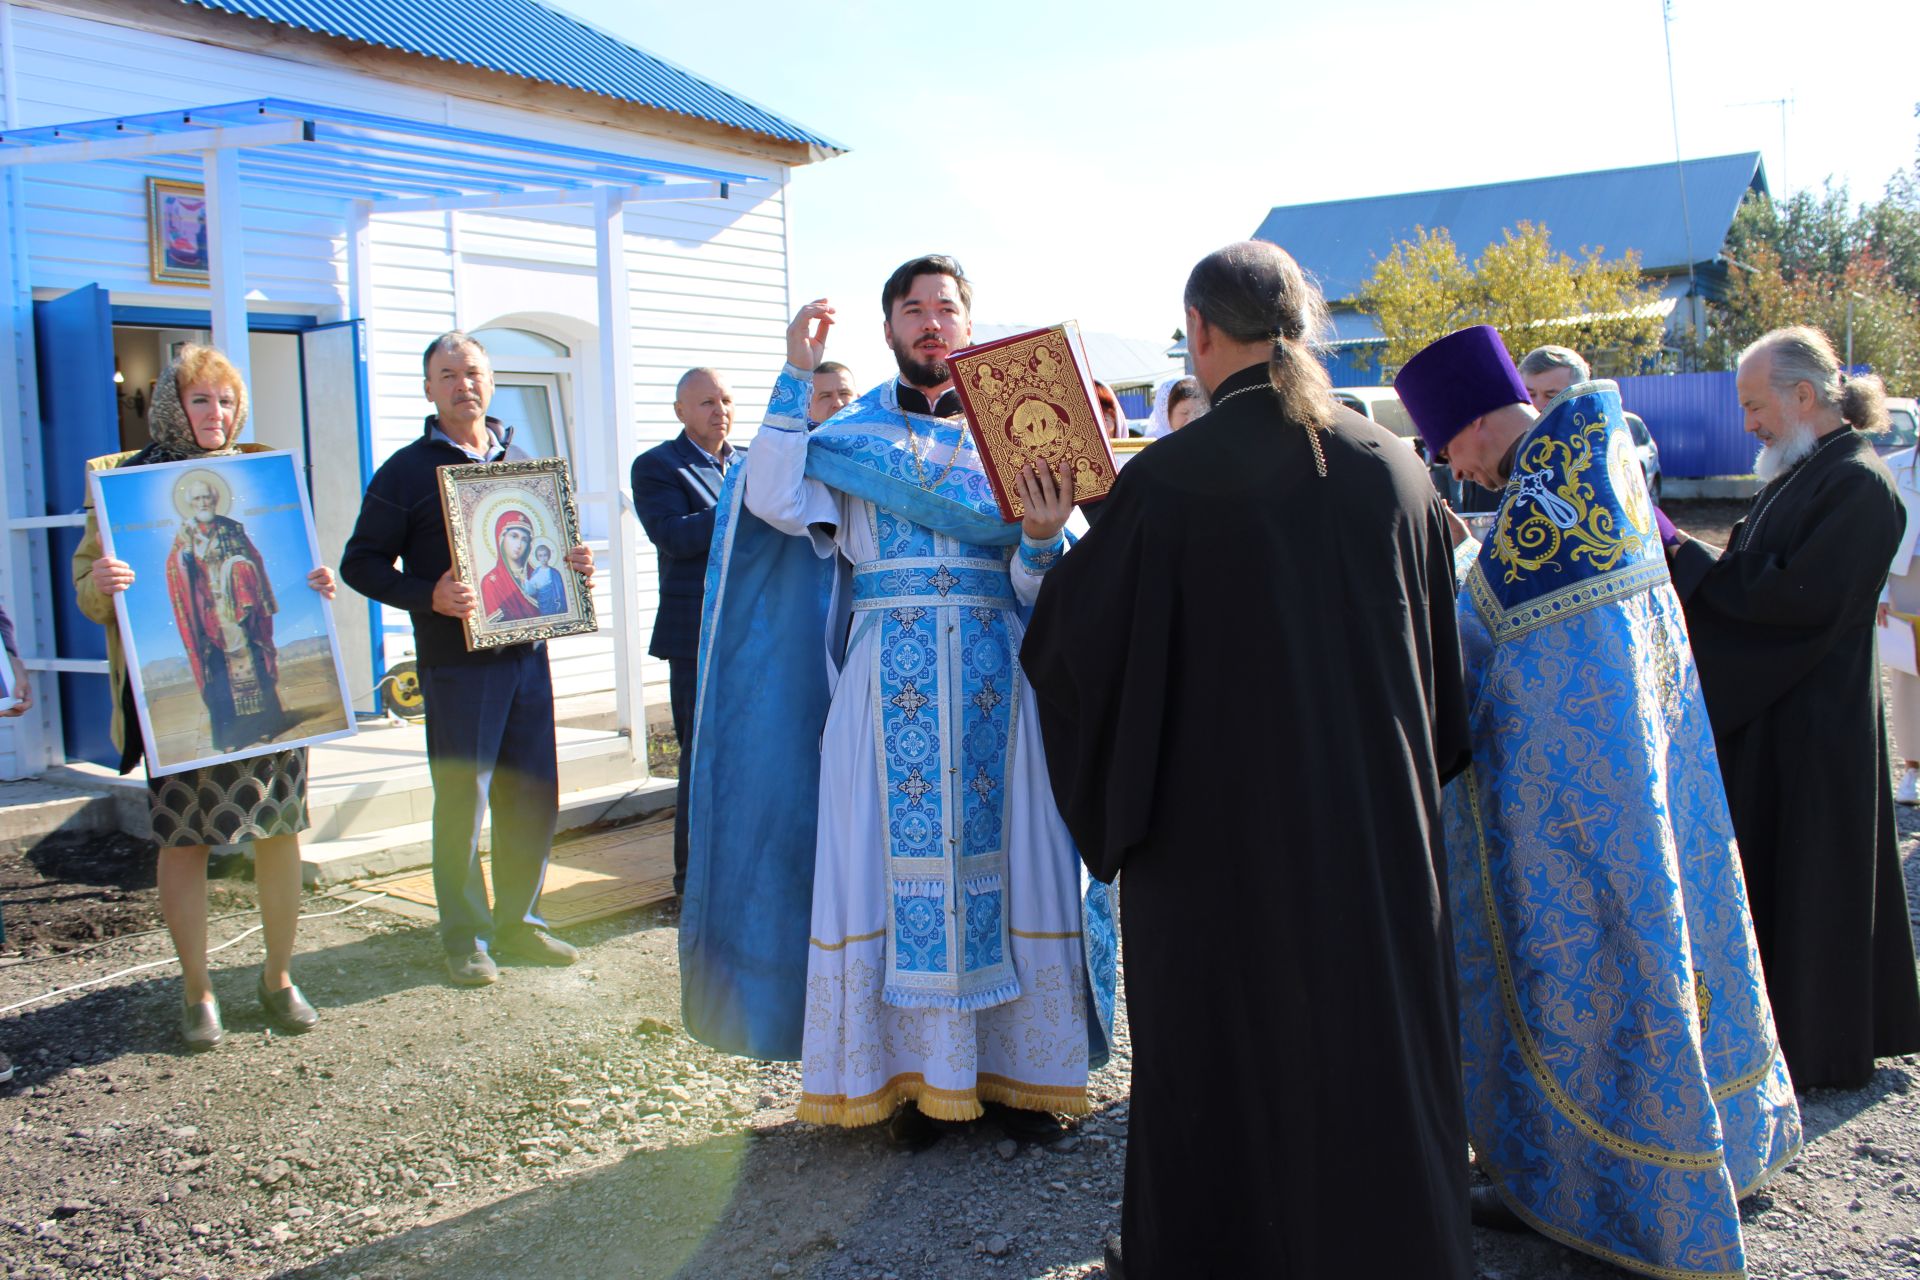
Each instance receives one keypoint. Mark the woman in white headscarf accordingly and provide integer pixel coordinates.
(1176, 402)
(1899, 605)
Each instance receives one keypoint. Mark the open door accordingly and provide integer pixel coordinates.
(333, 380)
(79, 419)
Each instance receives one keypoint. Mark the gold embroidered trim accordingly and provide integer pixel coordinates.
(1585, 1246)
(1045, 937)
(941, 1104)
(1523, 1035)
(1766, 1175)
(1748, 1080)
(842, 944)
(1509, 624)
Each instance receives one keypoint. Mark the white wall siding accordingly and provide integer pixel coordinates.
(707, 281)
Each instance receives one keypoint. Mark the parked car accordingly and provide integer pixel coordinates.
(1382, 405)
(1649, 451)
(1903, 426)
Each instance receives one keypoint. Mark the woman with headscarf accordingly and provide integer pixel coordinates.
(199, 406)
(1176, 402)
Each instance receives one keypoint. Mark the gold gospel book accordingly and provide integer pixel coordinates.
(1029, 399)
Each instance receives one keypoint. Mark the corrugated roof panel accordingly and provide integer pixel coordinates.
(528, 39)
(1613, 210)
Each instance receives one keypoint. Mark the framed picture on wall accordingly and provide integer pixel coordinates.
(510, 524)
(230, 652)
(177, 231)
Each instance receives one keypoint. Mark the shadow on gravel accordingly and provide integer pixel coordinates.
(645, 1216)
(140, 1016)
(791, 1201)
(1824, 1110)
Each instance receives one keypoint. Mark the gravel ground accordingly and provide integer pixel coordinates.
(558, 1124)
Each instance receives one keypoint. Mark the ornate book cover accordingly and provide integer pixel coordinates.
(1030, 398)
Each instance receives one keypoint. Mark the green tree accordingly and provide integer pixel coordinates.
(1803, 259)
(1423, 290)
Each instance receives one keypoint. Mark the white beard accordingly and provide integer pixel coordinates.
(1785, 453)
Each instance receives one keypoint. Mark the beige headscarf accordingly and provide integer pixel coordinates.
(167, 418)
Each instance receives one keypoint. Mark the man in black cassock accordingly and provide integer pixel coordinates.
(1249, 684)
(1782, 623)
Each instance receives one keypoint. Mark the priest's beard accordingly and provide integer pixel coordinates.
(918, 373)
(1785, 453)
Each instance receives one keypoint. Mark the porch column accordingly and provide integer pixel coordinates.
(360, 262)
(227, 263)
(35, 739)
(619, 443)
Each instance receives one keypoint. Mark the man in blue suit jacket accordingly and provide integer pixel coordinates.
(675, 486)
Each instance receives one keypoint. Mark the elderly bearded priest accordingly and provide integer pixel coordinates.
(1783, 622)
(951, 960)
(1624, 1085)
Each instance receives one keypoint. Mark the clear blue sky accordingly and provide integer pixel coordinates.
(1078, 158)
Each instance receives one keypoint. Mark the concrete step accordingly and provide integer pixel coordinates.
(410, 847)
(381, 788)
(369, 799)
(34, 809)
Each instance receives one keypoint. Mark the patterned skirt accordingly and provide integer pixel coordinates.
(227, 803)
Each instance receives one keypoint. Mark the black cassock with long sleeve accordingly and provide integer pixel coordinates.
(1782, 624)
(1249, 683)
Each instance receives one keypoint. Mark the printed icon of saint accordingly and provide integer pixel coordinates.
(223, 605)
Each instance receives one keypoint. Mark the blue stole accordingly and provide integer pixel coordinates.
(1624, 1082)
(945, 720)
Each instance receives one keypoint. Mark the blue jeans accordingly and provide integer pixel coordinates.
(490, 744)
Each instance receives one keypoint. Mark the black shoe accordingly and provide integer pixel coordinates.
(1116, 1270)
(911, 1129)
(287, 1009)
(475, 969)
(1491, 1212)
(200, 1025)
(535, 946)
(1025, 1126)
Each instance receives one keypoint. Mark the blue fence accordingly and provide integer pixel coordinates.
(1696, 420)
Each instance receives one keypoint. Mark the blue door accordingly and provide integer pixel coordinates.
(79, 419)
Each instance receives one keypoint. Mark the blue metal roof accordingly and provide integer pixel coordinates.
(528, 39)
(1611, 210)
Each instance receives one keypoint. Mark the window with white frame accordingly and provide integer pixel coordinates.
(532, 388)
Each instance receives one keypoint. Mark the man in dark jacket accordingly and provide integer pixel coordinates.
(675, 487)
(489, 712)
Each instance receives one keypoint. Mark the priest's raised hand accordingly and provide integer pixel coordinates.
(807, 334)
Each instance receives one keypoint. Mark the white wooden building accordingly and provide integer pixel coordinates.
(375, 174)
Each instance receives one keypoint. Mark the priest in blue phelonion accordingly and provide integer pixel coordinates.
(879, 883)
(1624, 1082)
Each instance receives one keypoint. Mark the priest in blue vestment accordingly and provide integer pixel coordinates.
(1624, 1080)
(879, 883)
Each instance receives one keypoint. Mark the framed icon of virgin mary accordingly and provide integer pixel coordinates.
(509, 525)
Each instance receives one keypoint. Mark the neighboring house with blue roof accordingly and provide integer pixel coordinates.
(320, 187)
(1680, 241)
